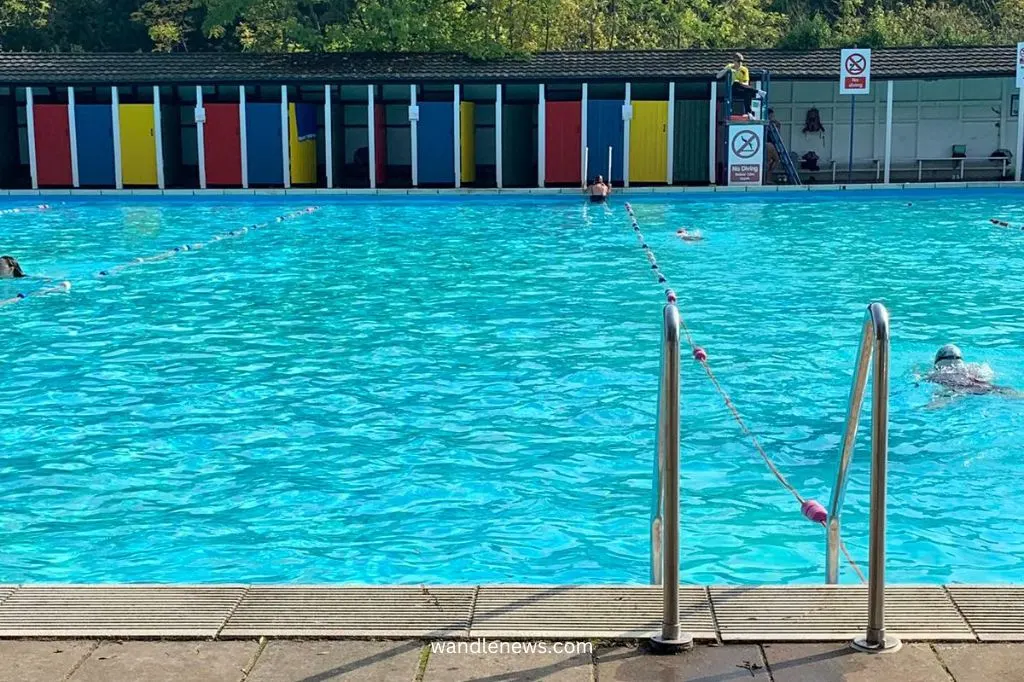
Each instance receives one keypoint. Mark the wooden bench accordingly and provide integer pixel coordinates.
(865, 171)
(958, 166)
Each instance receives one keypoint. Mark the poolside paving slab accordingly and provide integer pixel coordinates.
(835, 662)
(117, 611)
(167, 662)
(564, 612)
(463, 666)
(327, 661)
(41, 661)
(833, 613)
(287, 611)
(733, 663)
(983, 662)
(995, 613)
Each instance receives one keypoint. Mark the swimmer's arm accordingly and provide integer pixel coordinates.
(941, 400)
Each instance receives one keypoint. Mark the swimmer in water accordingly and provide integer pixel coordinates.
(599, 191)
(957, 377)
(687, 236)
(9, 268)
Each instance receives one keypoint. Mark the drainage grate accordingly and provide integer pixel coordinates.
(825, 613)
(995, 613)
(116, 611)
(352, 612)
(580, 612)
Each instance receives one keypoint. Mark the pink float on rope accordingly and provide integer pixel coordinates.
(813, 510)
(700, 355)
(671, 295)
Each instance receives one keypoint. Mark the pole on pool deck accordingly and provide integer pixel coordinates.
(158, 136)
(609, 166)
(328, 137)
(1017, 160)
(243, 137)
(30, 124)
(200, 118)
(286, 138)
(73, 135)
(115, 113)
(888, 131)
(586, 164)
(849, 167)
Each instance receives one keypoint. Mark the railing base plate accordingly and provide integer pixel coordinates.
(889, 646)
(660, 645)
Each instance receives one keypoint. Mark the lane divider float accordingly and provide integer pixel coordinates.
(65, 286)
(812, 510)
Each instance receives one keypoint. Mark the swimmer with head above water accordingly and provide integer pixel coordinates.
(599, 191)
(9, 268)
(688, 236)
(956, 377)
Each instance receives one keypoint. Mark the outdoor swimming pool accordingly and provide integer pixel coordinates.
(448, 391)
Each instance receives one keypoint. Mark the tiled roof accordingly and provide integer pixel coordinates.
(186, 68)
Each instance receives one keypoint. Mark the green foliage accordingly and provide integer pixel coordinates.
(488, 28)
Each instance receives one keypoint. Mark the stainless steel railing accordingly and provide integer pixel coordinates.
(874, 341)
(665, 511)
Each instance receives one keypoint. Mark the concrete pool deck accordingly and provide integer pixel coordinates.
(413, 661)
(320, 633)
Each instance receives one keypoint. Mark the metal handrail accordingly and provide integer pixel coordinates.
(665, 510)
(874, 341)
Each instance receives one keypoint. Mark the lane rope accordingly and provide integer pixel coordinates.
(812, 510)
(65, 286)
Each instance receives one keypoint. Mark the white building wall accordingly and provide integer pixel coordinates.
(929, 117)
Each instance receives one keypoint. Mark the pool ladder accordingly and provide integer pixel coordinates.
(665, 509)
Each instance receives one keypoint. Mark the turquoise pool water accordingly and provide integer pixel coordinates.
(464, 391)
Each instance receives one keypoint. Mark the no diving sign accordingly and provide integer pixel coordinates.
(746, 154)
(855, 72)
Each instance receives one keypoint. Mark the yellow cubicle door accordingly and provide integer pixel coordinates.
(302, 148)
(467, 140)
(138, 144)
(648, 142)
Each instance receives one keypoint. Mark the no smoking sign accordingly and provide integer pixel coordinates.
(855, 72)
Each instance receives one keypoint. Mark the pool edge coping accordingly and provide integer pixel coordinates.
(492, 191)
(729, 614)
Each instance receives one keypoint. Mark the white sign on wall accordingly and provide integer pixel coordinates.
(746, 154)
(1020, 65)
(855, 71)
